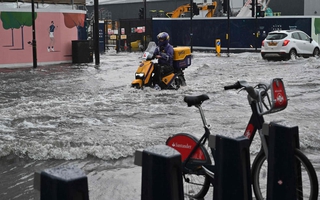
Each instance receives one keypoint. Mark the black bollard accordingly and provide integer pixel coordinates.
(281, 183)
(63, 183)
(232, 162)
(161, 173)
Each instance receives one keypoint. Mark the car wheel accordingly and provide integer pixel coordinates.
(265, 58)
(316, 52)
(292, 54)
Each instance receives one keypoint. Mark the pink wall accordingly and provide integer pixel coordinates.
(20, 52)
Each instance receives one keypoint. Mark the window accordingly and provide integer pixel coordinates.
(296, 36)
(276, 36)
(304, 36)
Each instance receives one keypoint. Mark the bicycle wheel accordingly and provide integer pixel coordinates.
(308, 177)
(196, 182)
(196, 186)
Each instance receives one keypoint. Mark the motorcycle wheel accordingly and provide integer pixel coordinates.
(183, 80)
(136, 86)
(176, 83)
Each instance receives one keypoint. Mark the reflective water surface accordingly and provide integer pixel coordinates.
(90, 117)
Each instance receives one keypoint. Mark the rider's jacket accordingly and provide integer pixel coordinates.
(166, 53)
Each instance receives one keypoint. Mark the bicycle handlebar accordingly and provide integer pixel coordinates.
(236, 86)
(268, 97)
(244, 85)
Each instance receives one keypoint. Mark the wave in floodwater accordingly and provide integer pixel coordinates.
(91, 118)
(74, 112)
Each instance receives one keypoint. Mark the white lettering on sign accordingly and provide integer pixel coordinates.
(184, 146)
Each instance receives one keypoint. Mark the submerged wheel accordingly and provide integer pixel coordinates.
(316, 52)
(176, 83)
(292, 54)
(196, 186)
(309, 190)
(183, 80)
(137, 86)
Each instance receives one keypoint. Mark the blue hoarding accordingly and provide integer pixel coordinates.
(242, 30)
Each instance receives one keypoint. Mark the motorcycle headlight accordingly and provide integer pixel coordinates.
(139, 75)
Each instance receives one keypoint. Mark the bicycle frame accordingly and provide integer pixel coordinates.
(255, 123)
(204, 137)
(191, 166)
(256, 101)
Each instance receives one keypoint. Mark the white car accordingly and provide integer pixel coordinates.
(288, 44)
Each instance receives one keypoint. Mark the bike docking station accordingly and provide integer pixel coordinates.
(161, 173)
(284, 174)
(232, 179)
(62, 183)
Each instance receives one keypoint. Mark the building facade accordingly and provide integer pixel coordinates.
(54, 30)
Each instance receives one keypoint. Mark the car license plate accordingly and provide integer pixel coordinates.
(272, 43)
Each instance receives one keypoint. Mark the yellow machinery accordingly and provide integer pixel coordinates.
(211, 8)
(179, 12)
(135, 44)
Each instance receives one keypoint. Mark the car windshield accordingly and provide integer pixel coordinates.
(276, 36)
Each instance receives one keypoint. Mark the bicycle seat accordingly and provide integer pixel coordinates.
(195, 100)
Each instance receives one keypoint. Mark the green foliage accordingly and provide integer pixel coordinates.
(317, 25)
(11, 20)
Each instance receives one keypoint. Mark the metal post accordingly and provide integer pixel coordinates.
(256, 28)
(228, 35)
(191, 15)
(119, 37)
(96, 32)
(145, 23)
(34, 42)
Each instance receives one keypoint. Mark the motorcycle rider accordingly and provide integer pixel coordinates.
(164, 54)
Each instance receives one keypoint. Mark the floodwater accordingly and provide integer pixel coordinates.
(90, 117)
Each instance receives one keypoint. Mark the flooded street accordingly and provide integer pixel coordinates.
(91, 118)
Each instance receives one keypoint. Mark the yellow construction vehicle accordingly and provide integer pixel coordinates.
(181, 10)
(211, 8)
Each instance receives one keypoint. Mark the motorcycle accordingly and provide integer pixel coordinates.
(169, 80)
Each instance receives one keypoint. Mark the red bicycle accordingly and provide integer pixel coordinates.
(197, 167)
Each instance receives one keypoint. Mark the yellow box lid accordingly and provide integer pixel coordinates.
(181, 52)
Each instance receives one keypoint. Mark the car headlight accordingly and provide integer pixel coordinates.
(139, 75)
